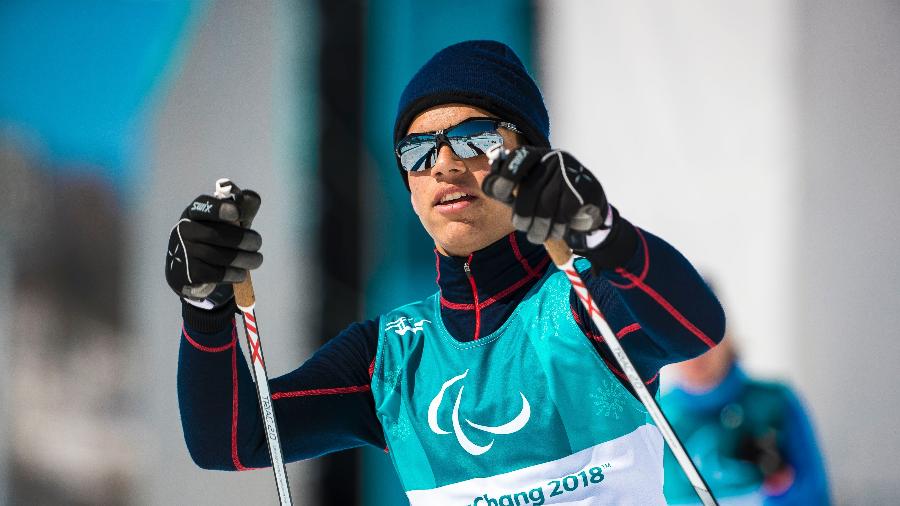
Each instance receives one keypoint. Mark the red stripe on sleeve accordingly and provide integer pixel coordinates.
(321, 391)
(586, 330)
(623, 272)
(671, 310)
(624, 331)
(234, 413)
(208, 349)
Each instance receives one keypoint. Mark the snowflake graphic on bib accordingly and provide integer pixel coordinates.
(608, 400)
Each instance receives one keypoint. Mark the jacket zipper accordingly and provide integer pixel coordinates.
(475, 297)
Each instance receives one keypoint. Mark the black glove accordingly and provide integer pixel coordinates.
(556, 197)
(212, 247)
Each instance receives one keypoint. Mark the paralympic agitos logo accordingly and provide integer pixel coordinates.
(509, 427)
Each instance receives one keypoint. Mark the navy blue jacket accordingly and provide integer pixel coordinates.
(652, 297)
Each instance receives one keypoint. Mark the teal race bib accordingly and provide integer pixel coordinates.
(527, 415)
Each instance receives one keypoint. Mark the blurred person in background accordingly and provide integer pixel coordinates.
(69, 411)
(544, 406)
(752, 440)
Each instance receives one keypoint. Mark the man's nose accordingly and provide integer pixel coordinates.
(447, 162)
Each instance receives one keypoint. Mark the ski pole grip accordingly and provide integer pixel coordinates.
(243, 292)
(558, 250)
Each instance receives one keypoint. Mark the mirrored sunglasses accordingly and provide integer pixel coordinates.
(468, 139)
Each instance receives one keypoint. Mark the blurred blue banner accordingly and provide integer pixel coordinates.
(75, 77)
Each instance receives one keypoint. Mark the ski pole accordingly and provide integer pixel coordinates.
(246, 302)
(562, 256)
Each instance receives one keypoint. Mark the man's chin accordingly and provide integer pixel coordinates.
(461, 239)
(457, 247)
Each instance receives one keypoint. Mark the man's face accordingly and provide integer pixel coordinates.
(458, 226)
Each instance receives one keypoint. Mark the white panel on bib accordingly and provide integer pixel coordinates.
(624, 471)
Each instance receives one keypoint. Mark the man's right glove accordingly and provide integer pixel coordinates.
(212, 247)
(553, 196)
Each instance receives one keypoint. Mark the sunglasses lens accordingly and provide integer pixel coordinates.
(469, 147)
(474, 138)
(471, 138)
(416, 152)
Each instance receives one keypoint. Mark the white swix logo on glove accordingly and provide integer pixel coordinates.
(203, 207)
(510, 427)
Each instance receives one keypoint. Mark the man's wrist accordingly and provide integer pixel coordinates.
(208, 321)
(618, 247)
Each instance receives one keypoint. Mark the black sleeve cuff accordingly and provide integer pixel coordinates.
(617, 249)
(208, 321)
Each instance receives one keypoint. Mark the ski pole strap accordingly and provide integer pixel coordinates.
(562, 256)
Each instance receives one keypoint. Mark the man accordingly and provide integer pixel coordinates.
(752, 440)
(497, 389)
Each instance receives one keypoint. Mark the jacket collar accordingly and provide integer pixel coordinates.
(493, 272)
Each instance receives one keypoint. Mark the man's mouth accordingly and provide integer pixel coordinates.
(455, 197)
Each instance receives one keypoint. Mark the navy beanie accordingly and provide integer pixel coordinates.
(481, 73)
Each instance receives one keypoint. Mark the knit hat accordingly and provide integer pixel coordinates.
(481, 73)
